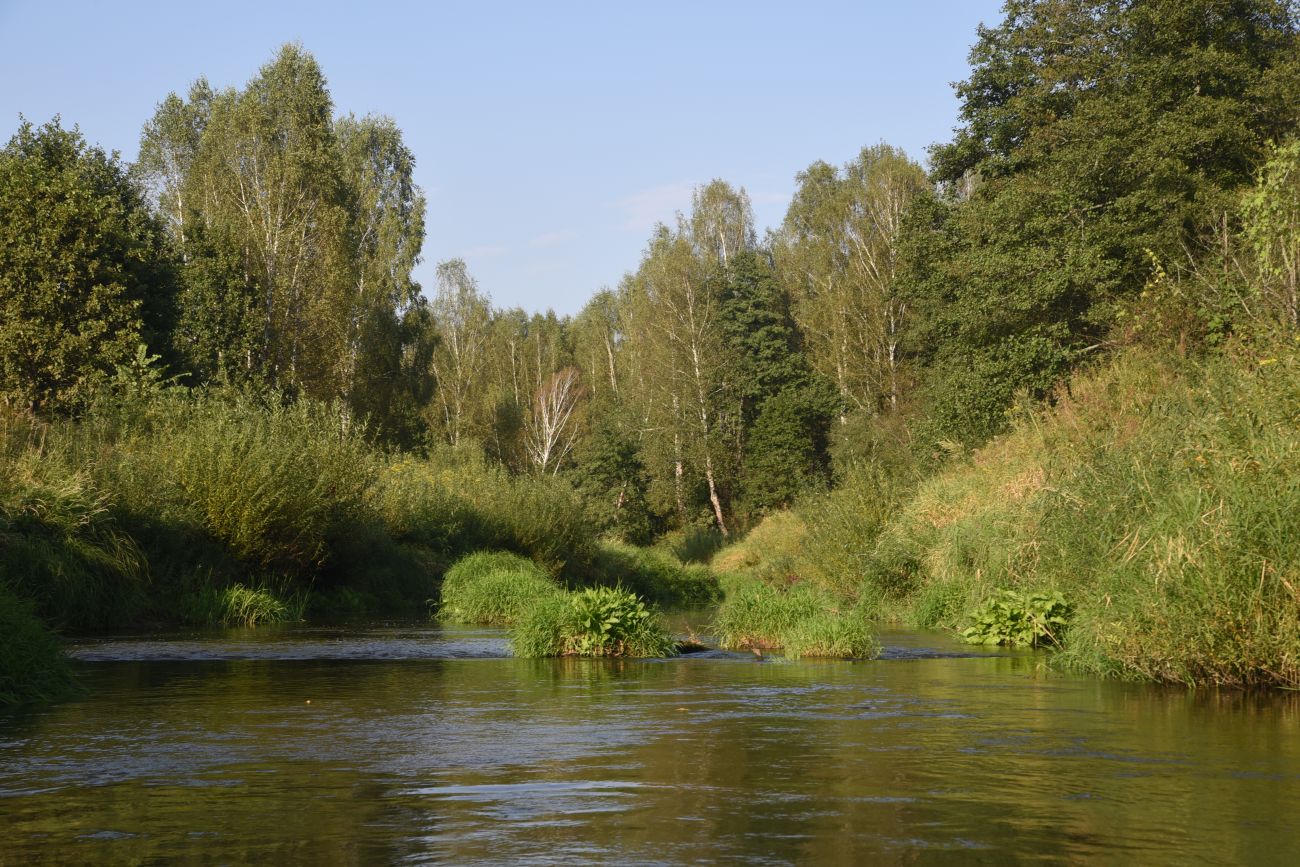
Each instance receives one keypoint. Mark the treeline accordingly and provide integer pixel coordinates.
(262, 241)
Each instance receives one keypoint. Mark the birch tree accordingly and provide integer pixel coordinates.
(463, 317)
(552, 427)
(837, 251)
(386, 232)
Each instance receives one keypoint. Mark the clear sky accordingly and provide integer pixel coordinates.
(550, 136)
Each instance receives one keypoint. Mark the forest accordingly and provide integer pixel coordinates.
(1042, 390)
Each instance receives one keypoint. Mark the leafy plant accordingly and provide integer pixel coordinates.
(598, 621)
(611, 621)
(1020, 620)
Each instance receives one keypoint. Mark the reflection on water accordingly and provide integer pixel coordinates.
(415, 744)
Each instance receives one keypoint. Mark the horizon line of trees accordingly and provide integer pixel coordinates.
(1122, 171)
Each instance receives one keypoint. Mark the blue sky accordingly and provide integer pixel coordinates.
(550, 137)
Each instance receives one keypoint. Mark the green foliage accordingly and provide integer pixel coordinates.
(1020, 619)
(493, 588)
(1094, 134)
(801, 619)
(1271, 227)
(544, 629)
(61, 548)
(611, 621)
(275, 483)
(655, 575)
(454, 503)
(1159, 497)
(842, 526)
(32, 665)
(693, 544)
(238, 605)
(611, 479)
(597, 621)
(83, 271)
(786, 454)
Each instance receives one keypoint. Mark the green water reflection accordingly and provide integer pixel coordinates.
(332, 760)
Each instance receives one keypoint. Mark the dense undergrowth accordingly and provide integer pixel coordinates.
(493, 588)
(224, 508)
(1158, 497)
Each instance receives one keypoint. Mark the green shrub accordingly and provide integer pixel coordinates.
(655, 575)
(597, 621)
(274, 483)
(32, 665)
(455, 503)
(1019, 620)
(693, 544)
(611, 621)
(493, 588)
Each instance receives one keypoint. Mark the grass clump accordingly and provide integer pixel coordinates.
(493, 588)
(596, 621)
(801, 619)
(33, 667)
(239, 605)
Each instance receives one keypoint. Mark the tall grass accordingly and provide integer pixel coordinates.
(493, 588)
(1160, 497)
(32, 665)
(801, 619)
(239, 605)
(454, 502)
(61, 548)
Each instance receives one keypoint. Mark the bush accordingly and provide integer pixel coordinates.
(274, 483)
(32, 665)
(693, 544)
(655, 575)
(1019, 620)
(597, 621)
(454, 503)
(493, 589)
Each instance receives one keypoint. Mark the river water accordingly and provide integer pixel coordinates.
(417, 743)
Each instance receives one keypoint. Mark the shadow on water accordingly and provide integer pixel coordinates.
(415, 743)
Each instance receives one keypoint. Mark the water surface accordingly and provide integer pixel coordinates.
(415, 743)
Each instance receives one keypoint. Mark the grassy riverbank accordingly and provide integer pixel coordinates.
(1158, 496)
(218, 508)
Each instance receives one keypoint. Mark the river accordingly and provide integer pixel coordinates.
(414, 743)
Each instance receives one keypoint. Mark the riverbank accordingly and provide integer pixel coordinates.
(1158, 496)
(215, 507)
